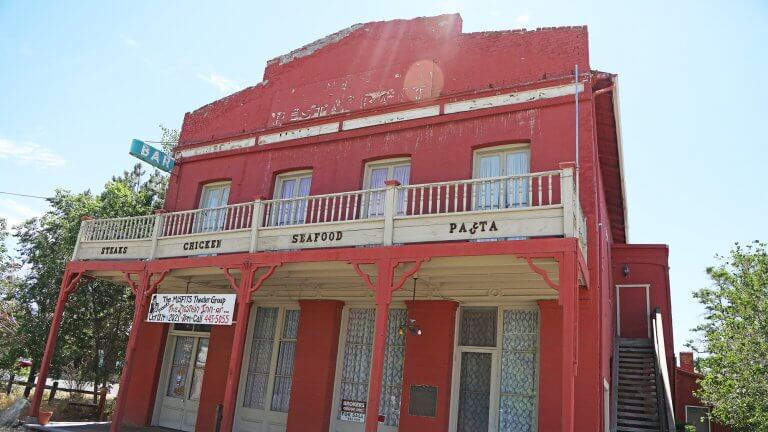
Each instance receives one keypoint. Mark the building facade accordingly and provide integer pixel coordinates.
(425, 229)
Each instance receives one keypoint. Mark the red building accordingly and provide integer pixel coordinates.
(425, 230)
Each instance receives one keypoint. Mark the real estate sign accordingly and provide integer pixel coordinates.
(151, 155)
(213, 309)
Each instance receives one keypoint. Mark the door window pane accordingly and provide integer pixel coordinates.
(478, 327)
(281, 394)
(357, 361)
(517, 187)
(177, 381)
(517, 400)
(474, 392)
(261, 357)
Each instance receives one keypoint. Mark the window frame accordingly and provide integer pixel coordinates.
(709, 412)
(280, 179)
(500, 150)
(390, 164)
(213, 185)
(277, 339)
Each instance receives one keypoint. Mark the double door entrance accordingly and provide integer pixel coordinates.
(186, 356)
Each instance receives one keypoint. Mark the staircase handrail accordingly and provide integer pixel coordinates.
(662, 372)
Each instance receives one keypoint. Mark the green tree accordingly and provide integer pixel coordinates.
(734, 339)
(94, 333)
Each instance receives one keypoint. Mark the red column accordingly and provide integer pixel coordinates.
(238, 346)
(139, 311)
(140, 397)
(383, 299)
(429, 361)
(68, 284)
(568, 298)
(212, 393)
(550, 365)
(314, 367)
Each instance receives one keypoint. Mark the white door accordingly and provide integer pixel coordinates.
(213, 198)
(353, 369)
(495, 370)
(267, 372)
(185, 366)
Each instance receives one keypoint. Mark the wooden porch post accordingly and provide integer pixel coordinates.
(244, 290)
(141, 291)
(383, 290)
(568, 298)
(68, 285)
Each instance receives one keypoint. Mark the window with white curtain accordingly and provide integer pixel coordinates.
(356, 366)
(376, 173)
(503, 161)
(293, 188)
(213, 197)
(269, 377)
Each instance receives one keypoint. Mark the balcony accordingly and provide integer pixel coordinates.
(542, 204)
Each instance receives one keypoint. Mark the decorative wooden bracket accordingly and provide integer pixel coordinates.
(541, 272)
(152, 286)
(248, 270)
(72, 284)
(394, 263)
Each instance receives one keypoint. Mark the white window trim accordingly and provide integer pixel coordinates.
(501, 150)
(496, 353)
(241, 411)
(214, 185)
(390, 164)
(280, 179)
(709, 421)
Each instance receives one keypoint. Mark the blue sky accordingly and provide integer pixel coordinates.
(79, 80)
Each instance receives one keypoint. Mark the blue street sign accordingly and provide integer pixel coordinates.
(151, 155)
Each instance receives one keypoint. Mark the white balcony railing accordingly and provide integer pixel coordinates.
(540, 204)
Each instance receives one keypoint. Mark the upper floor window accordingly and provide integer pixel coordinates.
(508, 166)
(376, 173)
(213, 197)
(291, 188)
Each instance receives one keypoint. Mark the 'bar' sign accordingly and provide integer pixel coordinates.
(151, 155)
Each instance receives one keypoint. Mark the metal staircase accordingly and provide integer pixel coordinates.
(638, 404)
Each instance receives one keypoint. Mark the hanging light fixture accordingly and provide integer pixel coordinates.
(410, 324)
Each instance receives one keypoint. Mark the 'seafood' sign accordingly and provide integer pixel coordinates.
(214, 309)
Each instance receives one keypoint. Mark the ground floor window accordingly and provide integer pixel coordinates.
(270, 364)
(698, 416)
(496, 342)
(356, 363)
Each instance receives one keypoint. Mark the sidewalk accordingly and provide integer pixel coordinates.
(89, 427)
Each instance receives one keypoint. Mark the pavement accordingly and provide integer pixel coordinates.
(90, 427)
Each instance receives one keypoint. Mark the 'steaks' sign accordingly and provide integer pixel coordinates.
(151, 155)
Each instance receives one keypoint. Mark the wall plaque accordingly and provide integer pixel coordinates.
(422, 401)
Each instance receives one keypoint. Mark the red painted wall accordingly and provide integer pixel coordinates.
(429, 361)
(686, 382)
(648, 264)
(314, 365)
(550, 363)
(212, 392)
(380, 56)
(147, 361)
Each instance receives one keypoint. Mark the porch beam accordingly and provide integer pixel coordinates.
(68, 285)
(244, 291)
